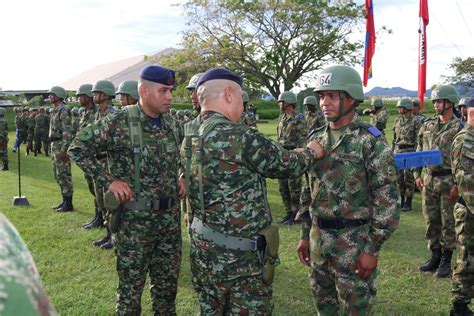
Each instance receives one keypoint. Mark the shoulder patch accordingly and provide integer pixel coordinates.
(300, 116)
(86, 133)
(374, 131)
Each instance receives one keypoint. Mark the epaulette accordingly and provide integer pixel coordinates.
(374, 131)
(300, 116)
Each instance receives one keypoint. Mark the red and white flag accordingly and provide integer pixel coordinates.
(369, 40)
(422, 51)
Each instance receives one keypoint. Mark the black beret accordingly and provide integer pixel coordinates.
(219, 73)
(158, 74)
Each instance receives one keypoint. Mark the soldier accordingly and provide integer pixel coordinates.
(420, 117)
(128, 91)
(291, 134)
(3, 140)
(41, 132)
(378, 114)
(228, 200)
(22, 292)
(463, 109)
(247, 117)
(405, 131)
(142, 145)
(31, 131)
(23, 125)
(173, 113)
(462, 166)
(194, 99)
(60, 135)
(75, 120)
(435, 182)
(354, 208)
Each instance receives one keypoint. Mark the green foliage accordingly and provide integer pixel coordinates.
(463, 73)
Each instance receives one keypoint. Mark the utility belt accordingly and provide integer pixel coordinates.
(339, 223)
(441, 173)
(405, 146)
(289, 147)
(150, 205)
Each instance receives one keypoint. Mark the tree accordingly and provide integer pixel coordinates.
(271, 43)
(463, 73)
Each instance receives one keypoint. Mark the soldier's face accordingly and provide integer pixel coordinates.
(157, 98)
(329, 101)
(84, 100)
(463, 110)
(53, 98)
(99, 97)
(441, 106)
(194, 100)
(124, 100)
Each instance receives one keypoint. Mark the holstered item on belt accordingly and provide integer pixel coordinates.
(270, 257)
(150, 205)
(441, 173)
(115, 210)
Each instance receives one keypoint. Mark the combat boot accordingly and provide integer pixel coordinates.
(5, 166)
(36, 153)
(290, 220)
(97, 222)
(59, 205)
(288, 216)
(93, 220)
(402, 201)
(103, 240)
(460, 309)
(27, 151)
(407, 206)
(444, 269)
(109, 244)
(67, 206)
(433, 263)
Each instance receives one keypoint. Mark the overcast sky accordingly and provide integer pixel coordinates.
(50, 41)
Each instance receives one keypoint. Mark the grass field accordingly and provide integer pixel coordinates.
(81, 280)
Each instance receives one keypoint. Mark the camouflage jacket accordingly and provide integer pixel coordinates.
(235, 159)
(60, 128)
(379, 119)
(3, 129)
(314, 120)
(100, 115)
(21, 289)
(41, 123)
(31, 124)
(421, 118)
(434, 135)
(248, 119)
(88, 117)
(291, 130)
(405, 131)
(462, 157)
(356, 179)
(159, 154)
(22, 123)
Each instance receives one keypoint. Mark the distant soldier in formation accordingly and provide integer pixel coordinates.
(60, 135)
(419, 116)
(3, 140)
(291, 134)
(128, 91)
(405, 131)
(31, 131)
(75, 120)
(462, 108)
(194, 99)
(436, 182)
(41, 132)
(23, 125)
(462, 166)
(247, 118)
(378, 114)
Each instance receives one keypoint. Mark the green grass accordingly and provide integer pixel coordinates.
(81, 279)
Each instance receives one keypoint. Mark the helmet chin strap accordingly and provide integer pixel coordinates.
(342, 113)
(443, 110)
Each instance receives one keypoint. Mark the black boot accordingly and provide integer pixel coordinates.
(407, 206)
(289, 219)
(444, 269)
(36, 153)
(460, 309)
(93, 220)
(67, 206)
(103, 240)
(27, 151)
(433, 263)
(402, 201)
(59, 205)
(5, 166)
(97, 222)
(109, 244)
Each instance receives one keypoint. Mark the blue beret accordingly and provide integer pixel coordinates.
(158, 74)
(219, 73)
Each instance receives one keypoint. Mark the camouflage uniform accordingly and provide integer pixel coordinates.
(248, 119)
(234, 160)
(21, 289)
(4, 142)
(88, 118)
(22, 125)
(379, 118)
(355, 181)
(148, 240)
(41, 133)
(462, 157)
(75, 121)
(31, 132)
(60, 135)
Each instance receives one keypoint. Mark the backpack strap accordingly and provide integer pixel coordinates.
(136, 138)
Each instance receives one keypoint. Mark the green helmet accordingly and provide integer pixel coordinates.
(180, 113)
(340, 78)
(193, 81)
(187, 112)
(463, 101)
(288, 97)
(85, 89)
(58, 91)
(129, 87)
(311, 100)
(377, 102)
(245, 97)
(104, 86)
(2, 112)
(445, 92)
(416, 102)
(173, 111)
(405, 103)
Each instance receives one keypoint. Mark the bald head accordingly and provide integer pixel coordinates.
(221, 96)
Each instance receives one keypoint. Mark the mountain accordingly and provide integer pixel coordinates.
(394, 92)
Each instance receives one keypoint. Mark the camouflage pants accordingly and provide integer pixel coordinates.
(463, 276)
(99, 192)
(23, 135)
(42, 141)
(29, 140)
(438, 212)
(406, 183)
(148, 242)
(61, 170)
(305, 197)
(4, 149)
(290, 191)
(336, 288)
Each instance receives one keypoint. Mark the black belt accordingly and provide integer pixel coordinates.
(406, 146)
(150, 205)
(101, 156)
(441, 173)
(339, 223)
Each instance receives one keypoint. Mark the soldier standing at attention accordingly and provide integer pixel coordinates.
(31, 131)
(225, 163)
(3, 140)
(420, 117)
(194, 99)
(60, 135)
(462, 166)
(405, 131)
(435, 182)
(23, 125)
(291, 134)
(128, 91)
(355, 201)
(142, 145)
(41, 132)
(247, 117)
(463, 109)
(378, 115)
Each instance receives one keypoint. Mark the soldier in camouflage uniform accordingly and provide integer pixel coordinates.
(405, 131)
(232, 207)
(462, 166)
(22, 292)
(60, 135)
(194, 99)
(291, 134)
(378, 114)
(23, 125)
(3, 140)
(148, 240)
(355, 201)
(41, 132)
(128, 91)
(420, 117)
(31, 131)
(247, 117)
(75, 120)
(435, 182)
(462, 108)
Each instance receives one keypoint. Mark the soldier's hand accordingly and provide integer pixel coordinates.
(121, 191)
(303, 252)
(453, 194)
(419, 183)
(182, 188)
(365, 265)
(314, 145)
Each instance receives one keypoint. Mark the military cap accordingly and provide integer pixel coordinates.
(158, 74)
(193, 81)
(219, 73)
